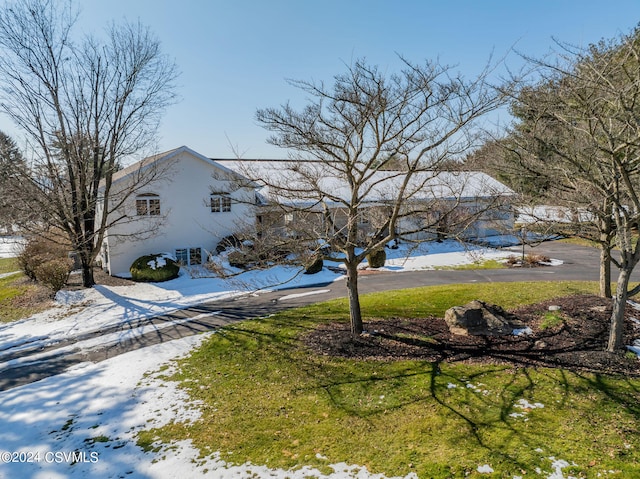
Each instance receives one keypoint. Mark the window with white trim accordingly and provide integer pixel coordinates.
(220, 203)
(148, 205)
(189, 256)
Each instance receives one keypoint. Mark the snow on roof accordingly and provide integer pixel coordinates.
(312, 182)
(149, 161)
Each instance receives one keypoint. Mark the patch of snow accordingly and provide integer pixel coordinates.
(485, 469)
(634, 305)
(301, 295)
(635, 347)
(552, 262)
(6, 275)
(522, 332)
(160, 261)
(10, 246)
(558, 465)
(524, 404)
(112, 399)
(432, 255)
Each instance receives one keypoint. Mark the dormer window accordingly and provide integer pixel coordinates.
(148, 205)
(220, 204)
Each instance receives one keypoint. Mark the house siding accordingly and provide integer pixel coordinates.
(185, 219)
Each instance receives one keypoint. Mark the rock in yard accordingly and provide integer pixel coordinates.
(479, 319)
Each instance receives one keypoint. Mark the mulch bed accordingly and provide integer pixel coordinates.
(578, 344)
(99, 276)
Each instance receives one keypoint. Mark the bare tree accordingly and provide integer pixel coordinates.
(584, 113)
(342, 142)
(551, 206)
(84, 106)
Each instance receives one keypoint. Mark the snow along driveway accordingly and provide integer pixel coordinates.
(99, 323)
(83, 421)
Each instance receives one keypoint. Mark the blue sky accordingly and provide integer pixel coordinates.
(236, 55)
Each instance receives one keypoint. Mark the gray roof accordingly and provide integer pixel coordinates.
(301, 182)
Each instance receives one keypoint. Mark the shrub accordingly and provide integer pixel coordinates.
(314, 266)
(238, 259)
(377, 258)
(535, 259)
(231, 241)
(54, 273)
(46, 261)
(529, 260)
(155, 268)
(32, 254)
(512, 260)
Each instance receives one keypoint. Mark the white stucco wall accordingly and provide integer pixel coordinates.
(186, 220)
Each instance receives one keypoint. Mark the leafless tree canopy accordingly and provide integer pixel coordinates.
(371, 140)
(578, 131)
(84, 105)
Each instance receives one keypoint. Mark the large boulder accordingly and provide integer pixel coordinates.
(479, 319)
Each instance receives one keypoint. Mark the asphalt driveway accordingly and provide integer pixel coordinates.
(579, 263)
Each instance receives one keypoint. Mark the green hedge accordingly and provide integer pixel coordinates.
(314, 266)
(377, 258)
(155, 268)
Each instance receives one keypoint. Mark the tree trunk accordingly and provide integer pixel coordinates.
(605, 271)
(616, 331)
(355, 314)
(87, 270)
(606, 232)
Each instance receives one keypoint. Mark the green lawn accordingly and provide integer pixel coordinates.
(18, 298)
(8, 265)
(483, 264)
(264, 398)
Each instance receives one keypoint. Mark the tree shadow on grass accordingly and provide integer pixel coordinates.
(493, 388)
(507, 410)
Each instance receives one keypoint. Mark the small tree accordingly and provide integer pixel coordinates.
(552, 207)
(342, 143)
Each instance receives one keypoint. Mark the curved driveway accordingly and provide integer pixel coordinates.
(580, 263)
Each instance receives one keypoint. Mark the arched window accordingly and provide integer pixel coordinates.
(148, 204)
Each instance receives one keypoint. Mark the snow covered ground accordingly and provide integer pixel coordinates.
(83, 423)
(9, 246)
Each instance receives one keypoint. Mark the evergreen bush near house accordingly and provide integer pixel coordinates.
(314, 266)
(377, 258)
(155, 268)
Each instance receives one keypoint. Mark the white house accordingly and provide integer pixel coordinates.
(178, 202)
(183, 203)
